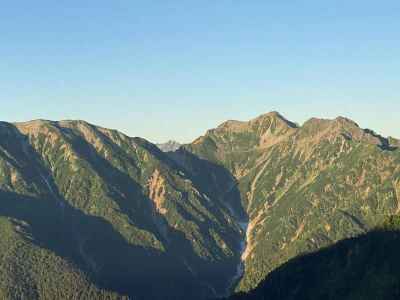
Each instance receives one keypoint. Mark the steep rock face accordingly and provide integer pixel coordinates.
(169, 146)
(303, 187)
(117, 209)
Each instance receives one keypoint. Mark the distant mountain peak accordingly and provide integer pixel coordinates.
(345, 120)
(169, 146)
(275, 115)
(235, 125)
(341, 126)
(271, 114)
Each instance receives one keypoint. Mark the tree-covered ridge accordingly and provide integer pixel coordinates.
(29, 271)
(303, 187)
(122, 217)
(117, 208)
(362, 267)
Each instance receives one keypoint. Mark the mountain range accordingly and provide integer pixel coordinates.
(90, 213)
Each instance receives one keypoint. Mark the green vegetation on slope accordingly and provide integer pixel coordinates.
(303, 188)
(29, 271)
(124, 218)
(365, 267)
(118, 209)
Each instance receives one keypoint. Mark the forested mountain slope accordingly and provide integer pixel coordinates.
(113, 211)
(303, 187)
(365, 267)
(110, 216)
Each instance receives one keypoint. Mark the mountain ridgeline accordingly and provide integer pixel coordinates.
(90, 213)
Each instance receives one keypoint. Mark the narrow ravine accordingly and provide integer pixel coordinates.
(247, 227)
(246, 244)
(240, 267)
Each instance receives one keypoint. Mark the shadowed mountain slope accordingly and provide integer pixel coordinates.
(303, 187)
(363, 267)
(117, 209)
(113, 216)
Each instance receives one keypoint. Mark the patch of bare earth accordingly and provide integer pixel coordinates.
(156, 186)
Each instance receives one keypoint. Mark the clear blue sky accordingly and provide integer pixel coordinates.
(172, 69)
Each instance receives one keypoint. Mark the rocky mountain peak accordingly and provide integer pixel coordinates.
(330, 129)
(169, 146)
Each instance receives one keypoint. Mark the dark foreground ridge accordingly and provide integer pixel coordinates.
(364, 267)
